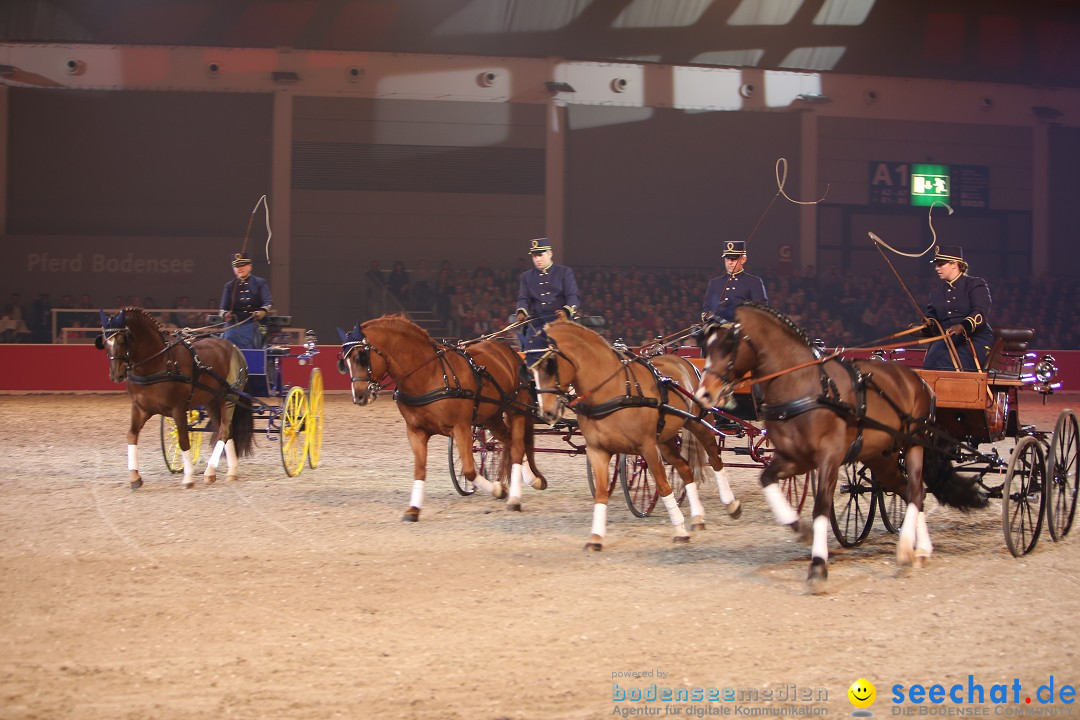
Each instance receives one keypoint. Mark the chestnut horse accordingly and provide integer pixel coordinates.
(821, 414)
(444, 390)
(627, 404)
(171, 377)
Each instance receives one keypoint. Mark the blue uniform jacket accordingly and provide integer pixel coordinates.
(965, 302)
(542, 292)
(253, 294)
(727, 292)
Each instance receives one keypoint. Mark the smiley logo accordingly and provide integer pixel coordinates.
(862, 693)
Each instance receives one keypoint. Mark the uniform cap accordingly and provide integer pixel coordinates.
(239, 259)
(949, 252)
(735, 249)
(539, 245)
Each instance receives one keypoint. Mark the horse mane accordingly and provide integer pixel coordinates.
(138, 319)
(399, 322)
(580, 329)
(784, 320)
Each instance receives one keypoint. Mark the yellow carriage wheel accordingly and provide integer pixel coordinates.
(170, 440)
(294, 438)
(315, 418)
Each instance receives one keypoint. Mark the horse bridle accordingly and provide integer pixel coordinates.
(551, 355)
(365, 349)
(733, 331)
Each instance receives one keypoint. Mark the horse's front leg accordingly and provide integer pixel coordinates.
(418, 441)
(599, 460)
(913, 547)
(818, 574)
(532, 474)
(138, 419)
(516, 447)
(651, 453)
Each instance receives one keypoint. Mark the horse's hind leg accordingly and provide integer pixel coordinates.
(652, 455)
(532, 474)
(670, 452)
(723, 484)
(516, 449)
(138, 419)
(463, 439)
(220, 436)
(180, 420)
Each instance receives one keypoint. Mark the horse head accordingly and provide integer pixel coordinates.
(115, 340)
(720, 343)
(552, 373)
(363, 363)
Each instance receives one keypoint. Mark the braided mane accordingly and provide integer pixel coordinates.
(137, 316)
(399, 322)
(795, 330)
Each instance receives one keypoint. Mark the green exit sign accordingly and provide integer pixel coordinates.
(929, 184)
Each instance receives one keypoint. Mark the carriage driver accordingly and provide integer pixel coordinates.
(961, 303)
(246, 296)
(546, 292)
(727, 292)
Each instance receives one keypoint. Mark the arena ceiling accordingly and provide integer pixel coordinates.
(1028, 42)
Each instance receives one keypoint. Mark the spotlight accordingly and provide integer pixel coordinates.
(213, 69)
(619, 84)
(747, 90)
(74, 67)
(354, 74)
(486, 79)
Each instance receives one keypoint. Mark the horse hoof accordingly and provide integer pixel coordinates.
(136, 484)
(498, 491)
(188, 485)
(210, 479)
(681, 539)
(594, 546)
(734, 509)
(803, 531)
(232, 478)
(817, 576)
(411, 515)
(922, 558)
(514, 506)
(697, 525)
(539, 484)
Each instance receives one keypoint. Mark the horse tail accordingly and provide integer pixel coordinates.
(947, 485)
(242, 429)
(695, 455)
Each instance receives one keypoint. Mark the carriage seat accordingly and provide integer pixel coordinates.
(1007, 351)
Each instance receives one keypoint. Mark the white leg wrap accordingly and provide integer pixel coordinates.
(527, 475)
(599, 519)
(417, 499)
(726, 496)
(781, 508)
(922, 535)
(215, 457)
(484, 484)
(133, 457)
(696, 508)
(189, 467)
(230, 455)
(674, 512)
(909, 529)
(515, 483)
(821, 538)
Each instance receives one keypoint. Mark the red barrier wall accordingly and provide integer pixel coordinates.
(82, 368)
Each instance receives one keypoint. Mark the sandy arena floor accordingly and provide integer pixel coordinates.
(307, 597)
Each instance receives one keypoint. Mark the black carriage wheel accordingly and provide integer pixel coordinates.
(614, 475)
(1063, 480)
(1023, 497)
(893, 508)
(854, 504)
(639, 486)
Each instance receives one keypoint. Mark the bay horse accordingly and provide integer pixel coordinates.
(445, 390)
(625, 404)
(171, 377)
(821, 414)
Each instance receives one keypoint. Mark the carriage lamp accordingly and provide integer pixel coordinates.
(1046, 369)
(310, 342)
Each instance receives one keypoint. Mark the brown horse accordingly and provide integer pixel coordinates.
(171, 377)
(443, 390)
(629, 405)
(823, 414)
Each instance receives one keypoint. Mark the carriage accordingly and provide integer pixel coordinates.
(290, 415)
(1037, 482)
